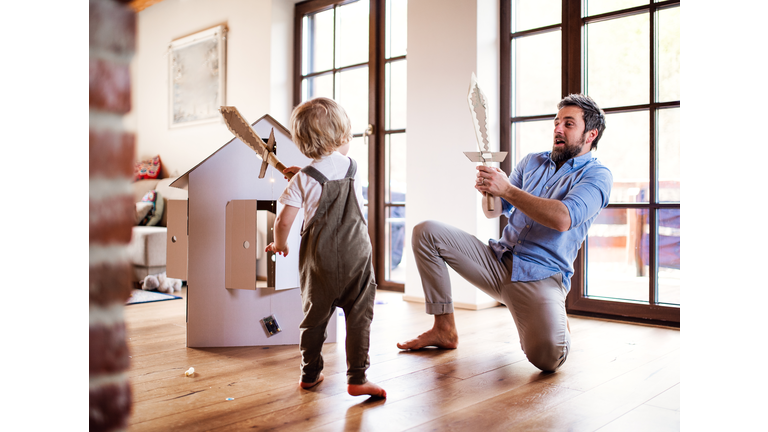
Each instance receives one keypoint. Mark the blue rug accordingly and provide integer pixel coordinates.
(141, 296)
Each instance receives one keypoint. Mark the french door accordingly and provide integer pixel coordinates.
(625, 54)
(354, 51)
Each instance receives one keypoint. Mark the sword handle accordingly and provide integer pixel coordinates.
(279, 166)
(489, 200)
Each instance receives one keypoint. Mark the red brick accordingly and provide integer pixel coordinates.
(112, 27)
(109, 86)
(109, 407)
(112, 35)
(111, 219)
(111, 153)
(108, 351)
(110, 283)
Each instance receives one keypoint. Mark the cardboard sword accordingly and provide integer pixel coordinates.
(243, 130)
(478, 107)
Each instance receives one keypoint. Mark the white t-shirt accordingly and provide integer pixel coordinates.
(305, 191)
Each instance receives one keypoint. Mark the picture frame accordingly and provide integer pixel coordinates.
(197, 77)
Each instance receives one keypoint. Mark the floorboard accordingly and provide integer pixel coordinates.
(618, 377)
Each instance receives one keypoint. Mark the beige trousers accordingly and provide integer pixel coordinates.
(537, 307)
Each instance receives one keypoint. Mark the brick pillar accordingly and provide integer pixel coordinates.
(112, 37)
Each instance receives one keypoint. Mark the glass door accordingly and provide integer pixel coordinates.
(626, 56)
(355, 53)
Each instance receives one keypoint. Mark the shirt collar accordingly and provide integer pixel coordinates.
(579, 161)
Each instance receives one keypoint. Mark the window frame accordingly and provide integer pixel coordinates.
(573, 32)
(377, 187)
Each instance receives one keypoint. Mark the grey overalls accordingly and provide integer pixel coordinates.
(336, 269)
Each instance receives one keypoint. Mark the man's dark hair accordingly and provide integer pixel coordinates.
(594, 117)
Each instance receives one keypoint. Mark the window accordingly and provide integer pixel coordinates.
(625, 54)
(355, 53)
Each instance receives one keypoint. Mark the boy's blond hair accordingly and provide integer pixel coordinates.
(319, 126)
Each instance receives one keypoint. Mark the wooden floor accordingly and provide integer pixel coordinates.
(618, 377)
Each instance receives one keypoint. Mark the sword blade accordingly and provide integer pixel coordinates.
(243, 130)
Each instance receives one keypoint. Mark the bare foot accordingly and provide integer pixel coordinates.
(368, 388)
(442, 335)
(304, 385)
(431, 338)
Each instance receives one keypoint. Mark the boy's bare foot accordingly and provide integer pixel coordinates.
(442, 335)
(368, 388)
(304, 385)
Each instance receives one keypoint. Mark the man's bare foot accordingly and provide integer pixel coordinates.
(304, 385)
(368, 388)
(442, 335)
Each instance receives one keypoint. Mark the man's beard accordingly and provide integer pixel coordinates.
(560, 155)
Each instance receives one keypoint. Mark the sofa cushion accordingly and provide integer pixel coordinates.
(169, 193)
(163, 186)
(147, 169)
(148, 246)
(158, 207)
(142, 210)
(141, 187)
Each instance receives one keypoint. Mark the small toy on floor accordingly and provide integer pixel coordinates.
(161, 283)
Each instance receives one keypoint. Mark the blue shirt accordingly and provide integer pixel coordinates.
(583, 184)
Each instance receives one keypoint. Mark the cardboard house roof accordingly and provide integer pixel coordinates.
(183, 181)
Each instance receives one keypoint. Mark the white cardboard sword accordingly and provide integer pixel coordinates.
(478, 107)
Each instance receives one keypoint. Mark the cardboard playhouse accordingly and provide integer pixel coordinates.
(216, 242)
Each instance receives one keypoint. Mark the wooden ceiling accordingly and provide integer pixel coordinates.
(140, 5)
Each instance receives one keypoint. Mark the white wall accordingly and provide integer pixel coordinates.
(259, 72)
(447, 42)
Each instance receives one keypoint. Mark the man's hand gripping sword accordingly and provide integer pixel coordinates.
(478, 107)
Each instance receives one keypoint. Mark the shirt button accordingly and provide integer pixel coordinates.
(527, 226)
(519, 241)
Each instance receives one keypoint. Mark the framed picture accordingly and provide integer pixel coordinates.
(197, 65)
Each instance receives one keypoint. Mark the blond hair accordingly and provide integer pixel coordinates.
(319, 126)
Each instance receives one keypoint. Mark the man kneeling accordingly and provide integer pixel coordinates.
(551, 199)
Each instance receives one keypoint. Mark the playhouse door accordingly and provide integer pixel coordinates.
(176, 251)
(241, 248)
(245, 244)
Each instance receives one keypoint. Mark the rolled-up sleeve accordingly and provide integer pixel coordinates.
(516, 179)
(293, 194)
(589, 195)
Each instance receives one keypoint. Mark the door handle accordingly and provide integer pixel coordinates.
(368, 131)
